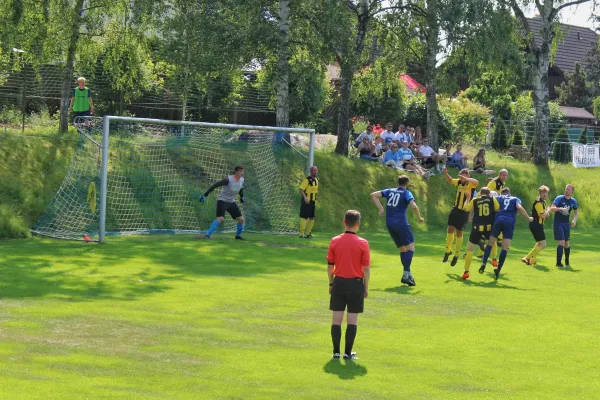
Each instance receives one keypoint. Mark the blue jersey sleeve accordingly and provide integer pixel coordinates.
(409, 196)
(557, 200)
(518, 201)
(385, 193)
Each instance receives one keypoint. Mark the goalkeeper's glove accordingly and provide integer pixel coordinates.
(202, 199)
(243, 199)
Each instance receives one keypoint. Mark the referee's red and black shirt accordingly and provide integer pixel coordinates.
(349, 253)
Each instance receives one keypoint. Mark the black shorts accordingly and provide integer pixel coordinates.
(348, 292)
(82, 113)
(307, 210)
(458, 219)
(479, 232)
(428, 161)
(537, 231)
(231, 208)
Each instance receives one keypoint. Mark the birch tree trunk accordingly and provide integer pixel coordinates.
(283, 66)
(541, 98)
(68, 75)
(348, 64)
(430, 73)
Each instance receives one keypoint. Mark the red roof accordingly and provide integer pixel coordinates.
(412, 84)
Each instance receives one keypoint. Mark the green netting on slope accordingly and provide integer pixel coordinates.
(156, 174)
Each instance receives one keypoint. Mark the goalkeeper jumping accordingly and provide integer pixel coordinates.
(232, 185)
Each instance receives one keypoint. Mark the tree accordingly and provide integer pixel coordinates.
(561, 151)
(500, 136)
(576, 91)
(540, 55)
(283, 65)
(518, 138)
(596, 106)
(496, 90)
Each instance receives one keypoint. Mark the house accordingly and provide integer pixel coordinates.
(572, 49)
(578, 116)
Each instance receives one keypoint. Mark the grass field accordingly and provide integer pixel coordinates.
(174, 317)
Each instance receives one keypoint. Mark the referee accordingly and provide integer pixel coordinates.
(308, 189)
(348, 267)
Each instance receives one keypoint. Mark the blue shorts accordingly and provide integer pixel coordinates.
(401, 235)
(503, 226)
(562, 231)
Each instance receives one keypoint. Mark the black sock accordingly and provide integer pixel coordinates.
(350, 335)
(567, 254)
(336, 337)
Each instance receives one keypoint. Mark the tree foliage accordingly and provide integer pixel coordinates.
(576, 91)
(561, 151)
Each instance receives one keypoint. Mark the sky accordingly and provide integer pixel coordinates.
(575, 15)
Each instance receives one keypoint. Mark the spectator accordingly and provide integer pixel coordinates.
(410, 134)
(479, 162)
(458, 159)
(366, 149)
(387, 136)
(392, 157)
(418, 135)
(400, 136)
(407, 161)
(429, 156)
(368, 134)
(377, 148)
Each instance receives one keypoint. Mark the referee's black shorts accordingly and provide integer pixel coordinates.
(347, 292)
(231, 208)
(537, 230)
(458, 219)
(479, 232)
(307, 210)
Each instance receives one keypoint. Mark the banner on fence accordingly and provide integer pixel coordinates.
(586, 155)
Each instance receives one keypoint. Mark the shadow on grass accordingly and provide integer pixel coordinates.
(347, 370)
(542, 268)
(128, 268)
(569, 269)
(404, 289)
(491, 284)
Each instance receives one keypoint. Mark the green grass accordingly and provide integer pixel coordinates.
(174, 317)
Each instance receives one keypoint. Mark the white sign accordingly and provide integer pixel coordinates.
(586, 155)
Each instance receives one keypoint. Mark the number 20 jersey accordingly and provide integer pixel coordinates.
(398, 200)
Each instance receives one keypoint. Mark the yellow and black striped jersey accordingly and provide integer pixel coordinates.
(539, 206)
(464, 193)
(496, 185)
(484, 210)
(310, 186)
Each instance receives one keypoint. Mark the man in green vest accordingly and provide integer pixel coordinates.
(81, 102)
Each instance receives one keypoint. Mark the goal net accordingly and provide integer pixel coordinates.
(156, 171)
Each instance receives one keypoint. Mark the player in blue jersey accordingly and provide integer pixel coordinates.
(504, 223)
(562, 207)
(398, 200)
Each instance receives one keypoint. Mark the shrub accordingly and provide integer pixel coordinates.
(416, 115)
(561, 152)
(583, 138)
(469, 118)
(500, 141)
(518, 138)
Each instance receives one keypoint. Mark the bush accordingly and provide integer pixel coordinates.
(518, 138)
(469, 118)
(583, 138)
(561, 152)
(416, 115)
(500, 141)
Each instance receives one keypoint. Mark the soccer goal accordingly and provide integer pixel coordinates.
(141, 176)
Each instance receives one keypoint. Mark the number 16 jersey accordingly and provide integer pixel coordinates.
(398, 200)
(484, 209)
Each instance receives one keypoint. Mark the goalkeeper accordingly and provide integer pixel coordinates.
(232, 185)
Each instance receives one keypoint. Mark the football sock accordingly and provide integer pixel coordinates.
(449, 240)
(486, 254)
(406, 259)
(567, 254)
(309, 225)
(302, 226)
(494, 250)
(336, 337)
(559, 251)
(213, 227)
(239, 229)
(468, 259)
(502, 258)
(534, 252)
(459, 241)
(350, 336)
